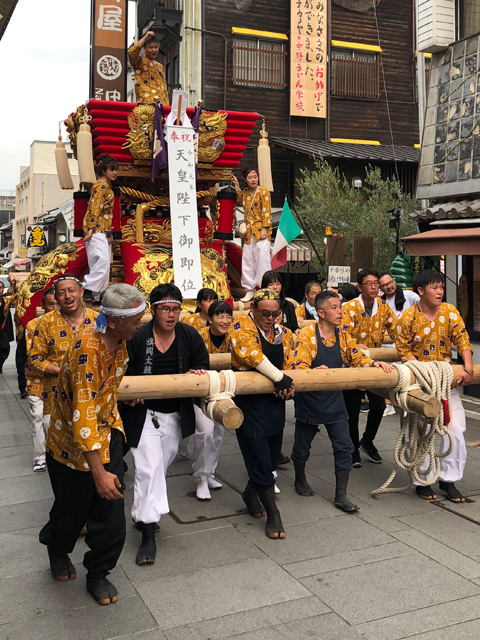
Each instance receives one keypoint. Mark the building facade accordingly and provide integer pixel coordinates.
(242, 60)
(38, 190)
(449, 173)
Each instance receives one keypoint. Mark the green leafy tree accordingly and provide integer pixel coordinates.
(326, 198)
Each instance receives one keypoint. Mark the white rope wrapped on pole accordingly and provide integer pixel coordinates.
(416, 441)
(218, 405)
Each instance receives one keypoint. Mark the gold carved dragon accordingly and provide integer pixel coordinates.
(140, 136)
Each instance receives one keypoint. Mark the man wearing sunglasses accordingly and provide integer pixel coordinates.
(259, 343)
(154, 428)
(366, 318)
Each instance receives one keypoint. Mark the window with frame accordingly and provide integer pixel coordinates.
(355, 74)
(259, 62)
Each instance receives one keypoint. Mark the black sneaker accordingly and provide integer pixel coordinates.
(364, 407)
(371, 451)
(356, 459)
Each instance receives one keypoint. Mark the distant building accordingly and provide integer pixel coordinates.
(7, 216)
(38, 190)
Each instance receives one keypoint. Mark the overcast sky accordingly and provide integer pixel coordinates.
(44, 67)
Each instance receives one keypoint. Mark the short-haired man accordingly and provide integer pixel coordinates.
(366, 318)
(35, 387)
(259, 343)
(154, 428)
(428, 331)
(324, 346)
(85, 445)
(306, 311)
(150, 83)
(55, 331)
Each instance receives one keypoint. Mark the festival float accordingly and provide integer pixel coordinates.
(155, 238)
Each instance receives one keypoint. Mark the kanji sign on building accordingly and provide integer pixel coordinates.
(187, 267)
(108, 50)
(36, 236)
(308, 55)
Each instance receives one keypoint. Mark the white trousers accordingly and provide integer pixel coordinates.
(155, 453)
(207, 441)
(255, 261)
(98, 255)
(451, 467)
(40, 424)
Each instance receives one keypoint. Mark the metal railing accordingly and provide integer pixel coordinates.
(355, 78)
(258, 65)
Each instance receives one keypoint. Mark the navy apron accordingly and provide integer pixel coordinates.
(264, 414)
(322, 407)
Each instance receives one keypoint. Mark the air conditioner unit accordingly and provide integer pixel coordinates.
(435, 21)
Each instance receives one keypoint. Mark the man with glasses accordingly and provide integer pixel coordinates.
(398, 299)
(154, 428)
(259, 343)
(366, 318)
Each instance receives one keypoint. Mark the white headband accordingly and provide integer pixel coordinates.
(154, 304)
(123, 313)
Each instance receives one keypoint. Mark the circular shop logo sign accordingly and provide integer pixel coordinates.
(109, 67)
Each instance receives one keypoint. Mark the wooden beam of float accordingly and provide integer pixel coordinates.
(252, 383)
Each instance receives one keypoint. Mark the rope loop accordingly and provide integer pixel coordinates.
(415, 450)
(214, 394)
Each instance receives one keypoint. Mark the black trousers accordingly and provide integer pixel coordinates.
(353, 401)
(4, 353)
(77, 503)
(261, 457)
(339, 437)
(20, 362)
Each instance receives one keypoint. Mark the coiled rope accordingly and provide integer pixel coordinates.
(416, 441)
(214, 395)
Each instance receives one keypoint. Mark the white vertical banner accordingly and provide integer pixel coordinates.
(187, 267)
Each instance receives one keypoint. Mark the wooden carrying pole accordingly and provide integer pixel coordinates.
(252, 383)
(220, 361)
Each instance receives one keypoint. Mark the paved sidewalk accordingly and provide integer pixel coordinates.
(400, 568)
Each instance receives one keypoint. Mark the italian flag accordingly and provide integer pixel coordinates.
(288, 230)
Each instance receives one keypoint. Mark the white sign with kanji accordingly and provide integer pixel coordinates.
(187, 267)
(338, 275)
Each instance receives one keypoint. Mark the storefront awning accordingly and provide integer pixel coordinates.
(441, 242)
(297, 252)
(18, 263)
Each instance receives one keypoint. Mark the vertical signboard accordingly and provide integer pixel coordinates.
(308, 56)
(108, 49)
(187, 267)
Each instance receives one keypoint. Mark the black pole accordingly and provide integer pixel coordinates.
(304, 229)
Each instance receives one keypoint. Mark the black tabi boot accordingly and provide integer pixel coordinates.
(273, 527)
(451, 491)
(253, 504)
(61, 566)
(148, 548)
(341, 501)
(301, 485)
(102, 590)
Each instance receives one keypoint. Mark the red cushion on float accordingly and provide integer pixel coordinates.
(112, 133)
(66, 258)
(238, 133)
(110, 104)
(147, 265)
(108, 123)
(226, 163)
(109, 141)
(241, 115)
(113, 115)
(240, 124)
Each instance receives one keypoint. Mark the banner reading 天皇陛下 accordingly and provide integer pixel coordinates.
(187, 268)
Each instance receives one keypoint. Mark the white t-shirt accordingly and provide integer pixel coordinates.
(411, 298)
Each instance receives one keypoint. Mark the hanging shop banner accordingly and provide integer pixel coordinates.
(108, 40)
(36, 236)
(308, 55)
(187, 268)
